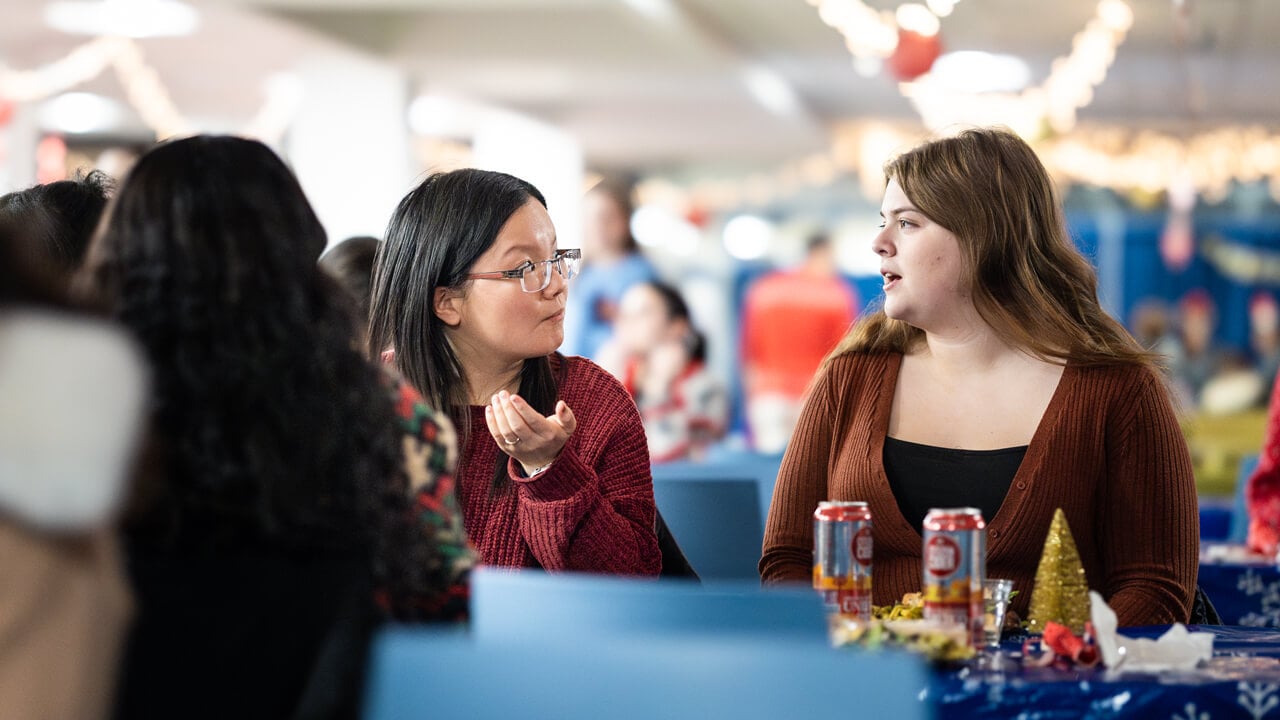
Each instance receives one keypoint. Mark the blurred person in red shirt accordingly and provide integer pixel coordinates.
(791, 319)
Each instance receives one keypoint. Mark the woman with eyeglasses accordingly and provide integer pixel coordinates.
(468, 302)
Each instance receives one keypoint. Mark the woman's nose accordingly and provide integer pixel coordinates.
(556, 283)
(880, 244)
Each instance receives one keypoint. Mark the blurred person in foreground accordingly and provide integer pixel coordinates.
(611, 263)
(296, 495)
(469, 304)
(661, 359)
(791, 319)
(73, 392)
(350, 263)
(991, 378)
(54, 222)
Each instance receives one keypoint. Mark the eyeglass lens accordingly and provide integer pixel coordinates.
(538, 276)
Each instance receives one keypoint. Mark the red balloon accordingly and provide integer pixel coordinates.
(914, 55)
(6, 112)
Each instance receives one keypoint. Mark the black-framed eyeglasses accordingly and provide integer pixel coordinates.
(536, 276)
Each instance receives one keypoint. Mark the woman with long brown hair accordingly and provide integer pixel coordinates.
(991, 377)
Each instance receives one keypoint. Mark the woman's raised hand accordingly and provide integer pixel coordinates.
(524, 434)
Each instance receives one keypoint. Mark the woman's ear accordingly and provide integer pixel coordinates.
(446, 305)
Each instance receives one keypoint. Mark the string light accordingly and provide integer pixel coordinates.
(872, 35)
(143, 88)
(1052, 106)
(1142, 163)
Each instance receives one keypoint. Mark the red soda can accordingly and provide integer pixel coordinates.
(955, 564)
(842, 557)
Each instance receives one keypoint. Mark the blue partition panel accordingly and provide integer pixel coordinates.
(536, 605)
(416, 674)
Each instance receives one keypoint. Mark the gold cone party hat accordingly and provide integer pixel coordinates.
(1061, 591)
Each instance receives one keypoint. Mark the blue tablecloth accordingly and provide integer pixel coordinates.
(1243, 593)
(1242, 681)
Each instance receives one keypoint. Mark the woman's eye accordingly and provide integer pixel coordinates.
(904, 224)
(881, 225)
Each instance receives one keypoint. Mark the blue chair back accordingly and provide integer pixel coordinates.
(533, 605)
(1240, 512)
(716, 512)
(717, 524)
(415, 674)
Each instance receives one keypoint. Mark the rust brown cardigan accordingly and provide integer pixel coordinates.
(1108, 451)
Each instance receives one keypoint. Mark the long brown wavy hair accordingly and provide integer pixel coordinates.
(1027, 279)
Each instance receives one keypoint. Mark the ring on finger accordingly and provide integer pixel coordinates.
(509, 441)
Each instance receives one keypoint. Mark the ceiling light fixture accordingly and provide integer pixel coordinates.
(974, 71)
(771, 90)
(127, 18)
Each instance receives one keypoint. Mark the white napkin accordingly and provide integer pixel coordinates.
(1177, 649)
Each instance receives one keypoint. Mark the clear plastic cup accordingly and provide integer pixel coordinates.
(995, 601)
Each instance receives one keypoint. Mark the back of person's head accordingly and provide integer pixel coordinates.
(1026, 277)
(25, 282)
(275, 429)
(678, 311)
(607, 225)
(350, 263)
(435, 236)
(57, 220)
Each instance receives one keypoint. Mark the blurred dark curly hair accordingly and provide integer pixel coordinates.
(274, 430)
(57, 220)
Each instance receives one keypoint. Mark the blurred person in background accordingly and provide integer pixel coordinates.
(1152, 326)
(1195, 358)
(56, 220)
(469, 303)
(992, 378)
(661, 360)
(1264, 337)
(296, 495)
(611, 263)
(350, 263)
(791, 319)
(74, 393)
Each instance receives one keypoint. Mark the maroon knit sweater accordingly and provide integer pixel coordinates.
(1108, 451)
(591, 511)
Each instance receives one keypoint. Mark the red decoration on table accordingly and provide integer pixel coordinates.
(914, 55)
(1065, 645)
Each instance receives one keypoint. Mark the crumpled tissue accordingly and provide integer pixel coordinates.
(1177, 649)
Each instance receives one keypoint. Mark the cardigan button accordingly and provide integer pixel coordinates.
(995, 533)
(1022, 485)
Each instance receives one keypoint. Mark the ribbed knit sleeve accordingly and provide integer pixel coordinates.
(787, 555)
(591, 511)
(1150, 528)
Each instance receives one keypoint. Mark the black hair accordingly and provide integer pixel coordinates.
(350, 263)
(435, 236)
(678, 309)
(276, 430)
(57, 220)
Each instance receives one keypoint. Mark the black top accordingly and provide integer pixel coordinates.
(924, 477)
(246, 634)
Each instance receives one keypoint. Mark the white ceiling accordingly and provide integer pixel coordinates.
(644, 93)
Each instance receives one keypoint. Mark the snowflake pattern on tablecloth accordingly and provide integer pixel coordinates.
(1191, 714)
(1251, 583)
(1258, 699)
